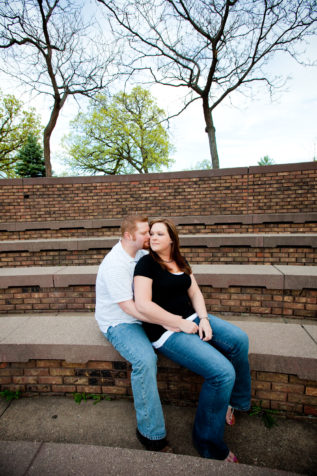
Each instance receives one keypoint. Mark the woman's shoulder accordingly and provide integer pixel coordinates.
(145, 265)
(146, 259)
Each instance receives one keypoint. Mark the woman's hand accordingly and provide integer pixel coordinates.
(189, 327)
(205, 330)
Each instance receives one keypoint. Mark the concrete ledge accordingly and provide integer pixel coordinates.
(253, 240)
(269, 276)
(178, 220)
(18, 458)
(274, 347)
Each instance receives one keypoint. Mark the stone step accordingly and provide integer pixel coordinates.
(228, 289)
(59, 459)
(65, 353)
(247, 223)
(252, 248)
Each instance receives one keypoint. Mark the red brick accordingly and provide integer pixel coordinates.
(270, 395)
(288, 388)
(272, 377)
(64, 388)
(51, 380)
(311, 391)
(114, 390)
(88, 389)
(48, 363)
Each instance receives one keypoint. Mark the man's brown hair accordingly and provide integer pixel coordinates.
(129, 223)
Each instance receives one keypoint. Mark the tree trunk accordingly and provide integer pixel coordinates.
(58, 104)
(47, 151)
(211, 131)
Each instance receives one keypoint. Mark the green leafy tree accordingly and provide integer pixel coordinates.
(30, 159)
(119, 136)
(209, 49)
(15, 126)
(266, 160)
(204, 164)
(55, 48)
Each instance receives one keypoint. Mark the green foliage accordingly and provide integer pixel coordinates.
(119, 136)
(202, 165)
(10, 395)
(266, 160)
(30, 160)
(266, 415)
(79, 397)
(15, 126)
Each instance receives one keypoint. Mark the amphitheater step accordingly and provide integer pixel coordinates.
(289, 291)
(285, 249)
(246, 223)
(87, 449)
(65, 353)
(275, 346)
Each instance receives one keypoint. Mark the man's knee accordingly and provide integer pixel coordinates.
(146, 363)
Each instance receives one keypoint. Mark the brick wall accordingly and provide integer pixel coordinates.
(182, 229)
(300, 256)
(176, 385)
(279, 188)
(222, 301)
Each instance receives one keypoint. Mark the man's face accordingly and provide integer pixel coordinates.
(141, 236)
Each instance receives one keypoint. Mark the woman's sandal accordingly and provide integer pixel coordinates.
(231, 458)
(230, 418)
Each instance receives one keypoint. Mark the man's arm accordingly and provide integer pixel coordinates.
(130, 308)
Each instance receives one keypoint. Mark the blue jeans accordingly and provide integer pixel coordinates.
(133, 344)
(223, 362)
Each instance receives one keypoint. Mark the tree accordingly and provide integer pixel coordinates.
(30, 161)
(48, 49)
(266, 160)
(118, 136)
(15, 126)
(210, 48)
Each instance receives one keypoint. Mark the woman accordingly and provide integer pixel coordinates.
(217, 350)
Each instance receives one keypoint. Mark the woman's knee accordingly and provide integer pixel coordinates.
(223, 374)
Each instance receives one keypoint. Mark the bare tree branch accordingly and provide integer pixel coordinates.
(50, 48)
(211, 47)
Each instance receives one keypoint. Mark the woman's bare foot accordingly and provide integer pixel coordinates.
(231, 458)
(230, 418)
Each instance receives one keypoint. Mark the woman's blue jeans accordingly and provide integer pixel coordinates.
(133, 344)
(224, 364)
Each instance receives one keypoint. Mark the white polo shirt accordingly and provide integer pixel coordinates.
(114, 285)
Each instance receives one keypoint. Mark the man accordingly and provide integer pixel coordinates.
(119, 321)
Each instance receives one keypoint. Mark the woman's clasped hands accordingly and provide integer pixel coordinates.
(205, 330)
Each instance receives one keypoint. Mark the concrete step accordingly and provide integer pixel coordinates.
(65, 353)
(57, 437)
(285, 249)
(288, 291)
(246, 223)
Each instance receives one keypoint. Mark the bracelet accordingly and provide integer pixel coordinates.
(205, 317)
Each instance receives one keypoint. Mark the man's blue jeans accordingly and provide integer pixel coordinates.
(223, 362)
(133, 344)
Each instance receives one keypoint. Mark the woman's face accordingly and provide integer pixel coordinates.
(160, 241)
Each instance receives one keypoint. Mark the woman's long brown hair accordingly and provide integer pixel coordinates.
(175, 251)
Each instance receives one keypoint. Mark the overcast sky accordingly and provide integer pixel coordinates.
(285, 130)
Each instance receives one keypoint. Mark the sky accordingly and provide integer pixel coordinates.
(284, 129)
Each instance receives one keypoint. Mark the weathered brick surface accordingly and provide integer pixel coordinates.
(196, 255)
(307, 227)
(283, 392)
(226, 301)
(280, 189)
